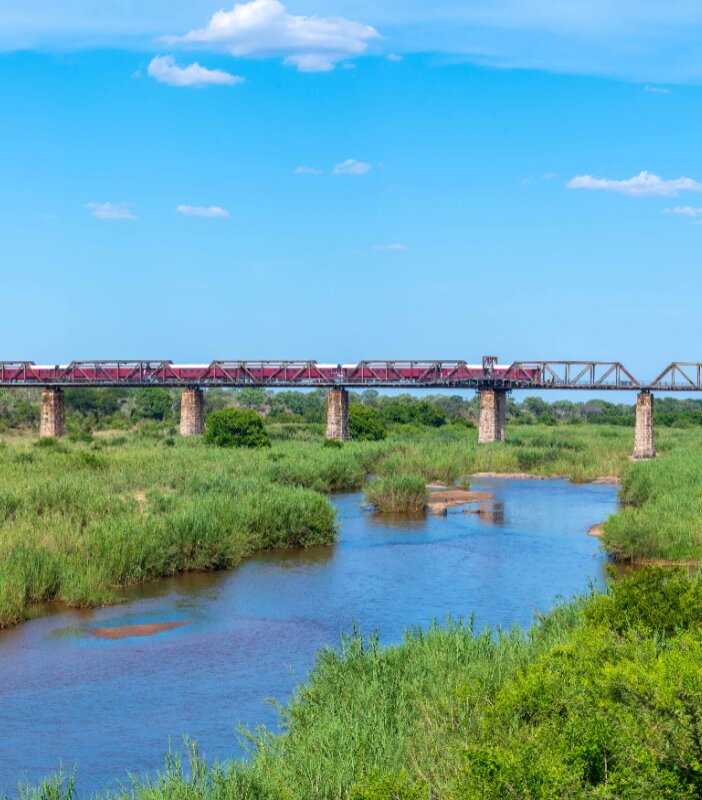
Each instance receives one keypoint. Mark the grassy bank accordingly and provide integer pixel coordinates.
(662, 518)
(79, 520)
(600, 699)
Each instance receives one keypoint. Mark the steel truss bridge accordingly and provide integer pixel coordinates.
(588, 375)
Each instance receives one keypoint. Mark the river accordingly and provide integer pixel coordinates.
(111, 706)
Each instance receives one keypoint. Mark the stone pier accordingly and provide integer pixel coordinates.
(338, 414)
(192, 412)
(491, 426)
(52, 421)
(643, 436)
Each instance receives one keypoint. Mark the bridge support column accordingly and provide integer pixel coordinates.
(192, 412)
(52, 421)
(644, 446)
(338, 415)
(491, 425)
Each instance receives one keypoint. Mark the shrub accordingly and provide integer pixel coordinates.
(401, 493)
(236, 427)
(153, 403)
(365, 424)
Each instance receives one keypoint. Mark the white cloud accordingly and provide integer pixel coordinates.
(203, 211)
(352, 167)
(307, 171)
(111, 210)
(645, 184)
(656, 41)
(656, 90)
(264, 27)
(165, 70)
(685, 211)
(394, 247)
(394, 57)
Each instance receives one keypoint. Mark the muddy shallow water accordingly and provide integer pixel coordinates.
(199, 654)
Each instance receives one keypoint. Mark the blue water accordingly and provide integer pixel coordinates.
(112, 706)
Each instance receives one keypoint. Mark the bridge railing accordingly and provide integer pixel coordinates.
(569, 375)
(680, 375)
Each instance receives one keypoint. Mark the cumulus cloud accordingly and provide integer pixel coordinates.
(212, 212)
(165, 70)
(394, 57)
(393, 247)
(656, 90)
(264, 27)
(645, 184)
(111, 210)
(307, 171)
(352, 167)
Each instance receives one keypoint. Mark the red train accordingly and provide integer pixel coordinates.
(263, 373)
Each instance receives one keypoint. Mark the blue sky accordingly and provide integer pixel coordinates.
(350, 180)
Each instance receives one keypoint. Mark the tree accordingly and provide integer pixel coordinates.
(252, 397)
(236, 427)
(365, 424)
(153, 404)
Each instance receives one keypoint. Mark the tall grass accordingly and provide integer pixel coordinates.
(398, 494)
(662, 518)
(79, 520)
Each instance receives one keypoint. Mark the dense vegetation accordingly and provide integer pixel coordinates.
(90, 409)
(662, 518)
(84, 516)
(600, 699)
(236, 427)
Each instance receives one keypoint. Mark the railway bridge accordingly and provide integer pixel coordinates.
(492, 380)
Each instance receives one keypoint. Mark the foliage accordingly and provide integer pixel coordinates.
(398, 493)
(153, 403)
(365, 424)
(236, 427)
(414, 412)
(657, 599)
(662, 518)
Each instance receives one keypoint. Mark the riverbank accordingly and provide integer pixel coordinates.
(661, 519)
(598, 699)
(80, 520)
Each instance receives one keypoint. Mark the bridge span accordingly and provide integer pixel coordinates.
(489, 378)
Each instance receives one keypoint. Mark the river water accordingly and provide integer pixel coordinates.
(111, 706)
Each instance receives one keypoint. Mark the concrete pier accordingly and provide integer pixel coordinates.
(644, 446)
(338, 415)
(192, 412)
(491, 425)
(52, 421)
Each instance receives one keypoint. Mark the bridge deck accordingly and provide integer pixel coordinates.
(442, 374)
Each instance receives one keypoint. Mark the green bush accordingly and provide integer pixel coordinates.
(365, 424)
(153, 403)
(236, 427)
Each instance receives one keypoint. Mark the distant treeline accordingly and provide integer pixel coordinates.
(93, 409)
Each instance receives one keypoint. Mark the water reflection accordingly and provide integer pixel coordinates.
(111, 705)
(492, 513)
